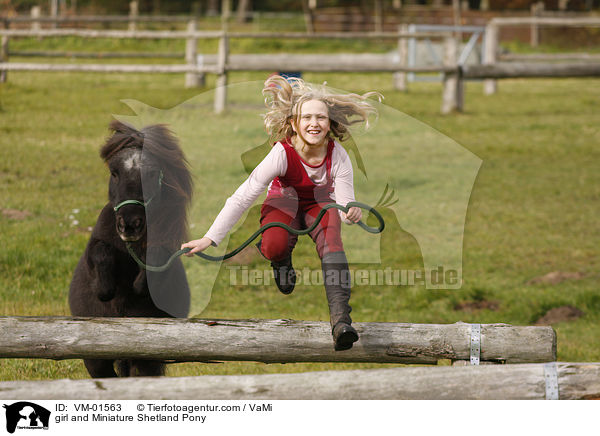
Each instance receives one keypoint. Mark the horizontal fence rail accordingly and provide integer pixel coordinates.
(546, 21)
(233, 65)
(197, 65)
(513, 70)
(270, 341)
(107, 68)
(174, 34)
(492, 41)
(552, 57)
(559, 380)
(99, 19)
(97, 55)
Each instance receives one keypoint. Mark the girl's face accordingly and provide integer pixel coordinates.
(313, 124)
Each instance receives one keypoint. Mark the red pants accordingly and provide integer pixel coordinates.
(277, 243)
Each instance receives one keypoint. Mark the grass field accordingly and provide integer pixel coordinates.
(533, 208)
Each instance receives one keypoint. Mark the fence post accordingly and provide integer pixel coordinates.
(378, 16)
(221, 85)
(536, 11)
(400, 77)
(133, 14)
(4, 54)
(35, 14)
(192, 80)
(452, 98)
(490, 86)
(307, 10)
(54, 12)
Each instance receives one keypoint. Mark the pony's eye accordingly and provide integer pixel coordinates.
(114, 175)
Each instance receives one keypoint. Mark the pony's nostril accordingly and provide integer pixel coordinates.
(120, 224)
(138, 223)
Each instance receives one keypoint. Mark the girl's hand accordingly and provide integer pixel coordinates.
(354, 214)
(197, 245)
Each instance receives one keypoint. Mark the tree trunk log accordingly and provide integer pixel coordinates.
(489, 382)
(269, 341)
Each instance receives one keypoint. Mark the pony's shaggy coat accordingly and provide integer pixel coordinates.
(107, 282)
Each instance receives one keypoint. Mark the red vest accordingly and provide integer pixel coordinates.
(295, 184)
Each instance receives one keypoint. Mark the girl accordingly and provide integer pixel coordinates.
(305, 170)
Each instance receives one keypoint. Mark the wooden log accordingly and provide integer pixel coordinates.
(267, 341)
(490, 382)
(507, 70)
(106, 68)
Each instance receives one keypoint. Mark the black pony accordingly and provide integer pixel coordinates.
(153, 221)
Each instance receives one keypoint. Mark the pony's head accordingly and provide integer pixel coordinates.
(148, 178)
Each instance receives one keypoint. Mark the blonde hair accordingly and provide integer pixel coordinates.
(284, 98)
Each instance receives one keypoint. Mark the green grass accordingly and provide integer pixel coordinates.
(533, 208)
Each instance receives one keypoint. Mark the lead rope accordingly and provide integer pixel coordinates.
(167, 265)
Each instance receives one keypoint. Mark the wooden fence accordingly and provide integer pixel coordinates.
(223, 62)
(267, 341)
(492, 45)
(557, 380)
(272, 341)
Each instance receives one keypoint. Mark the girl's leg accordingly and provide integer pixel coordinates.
(336, 274)
(327, 235)
(277, 244)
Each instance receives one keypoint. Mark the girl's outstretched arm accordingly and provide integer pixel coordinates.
(197, 245)
(275, 164)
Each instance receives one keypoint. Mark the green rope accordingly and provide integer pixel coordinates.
(261, 230)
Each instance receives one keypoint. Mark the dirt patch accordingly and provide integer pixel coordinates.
(14, 214)
(555, 277)
(472, 306)
(560, 314)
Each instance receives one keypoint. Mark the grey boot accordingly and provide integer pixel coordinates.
(336, 277)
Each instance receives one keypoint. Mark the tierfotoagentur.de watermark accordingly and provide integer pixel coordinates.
(245, 276)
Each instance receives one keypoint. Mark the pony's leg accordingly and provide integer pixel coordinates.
(102, 260)
(146, 368)
(169, 290)
(100, 368)
(140, 284)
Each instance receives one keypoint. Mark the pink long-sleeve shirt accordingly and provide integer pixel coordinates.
(274, 165)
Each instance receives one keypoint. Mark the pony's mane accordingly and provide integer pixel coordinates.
(170, 223)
